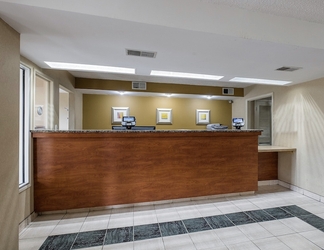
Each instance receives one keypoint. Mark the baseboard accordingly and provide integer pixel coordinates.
(302, 191)
(149, 203)
(26, 222)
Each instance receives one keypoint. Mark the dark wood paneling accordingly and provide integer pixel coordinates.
(268, 166)
(82, 170)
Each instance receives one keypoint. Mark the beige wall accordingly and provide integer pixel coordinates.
(9, 137)
(298, 118)
(97, 110)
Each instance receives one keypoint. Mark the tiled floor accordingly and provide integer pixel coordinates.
(273, 218)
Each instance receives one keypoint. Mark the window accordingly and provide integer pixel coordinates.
(24, 121)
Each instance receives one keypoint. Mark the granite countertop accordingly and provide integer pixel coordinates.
(148, 131)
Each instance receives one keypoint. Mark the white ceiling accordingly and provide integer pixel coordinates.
(248, 38)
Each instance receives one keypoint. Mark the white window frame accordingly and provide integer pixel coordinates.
(24, 127)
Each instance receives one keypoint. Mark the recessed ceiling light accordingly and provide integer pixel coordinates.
(89, 67)
(184, 75)
(261, 81)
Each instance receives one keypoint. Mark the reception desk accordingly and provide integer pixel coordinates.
(82, 169)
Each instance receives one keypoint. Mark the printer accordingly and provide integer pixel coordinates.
(216, 126)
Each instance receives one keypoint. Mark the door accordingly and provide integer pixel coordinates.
(263, 120)
(260, 117)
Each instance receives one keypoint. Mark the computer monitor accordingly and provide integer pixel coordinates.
(128, 121)
(238, 123)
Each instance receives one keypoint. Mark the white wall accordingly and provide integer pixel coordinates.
(9, 136)
(298, 118)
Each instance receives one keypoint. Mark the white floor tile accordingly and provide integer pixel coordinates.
(93, 248)
(271, 244)
(39, 230)
(208, 210)
(254, 231)
(245, 205)
(314, 208)
(120, 246)
(262, 204)
(94, 225)
(298, 242)
(166, 215)
(291, 233)
(206, 240)
(243, 245)
(297, 225)
(227, 209)
(121, 222)
(151, 244)
(316, 236)
(321, 215)
(31, 244)
(189, 213)
(217, 248)
(145, 219)
(179, 242)
(231, 235)
(67, 228)
(276, 228)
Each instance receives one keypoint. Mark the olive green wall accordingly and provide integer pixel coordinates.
(9, 135)
(97, 110)
(153, 87)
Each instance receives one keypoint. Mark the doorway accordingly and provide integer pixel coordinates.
(260, 117)
(64, 110)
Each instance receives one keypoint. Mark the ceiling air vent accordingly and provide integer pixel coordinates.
(148, 54)
(228, 91)
(139, 85)
(290, 69)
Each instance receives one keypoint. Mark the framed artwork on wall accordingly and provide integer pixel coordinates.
(202, 116)
(117, 114)
(163, 116)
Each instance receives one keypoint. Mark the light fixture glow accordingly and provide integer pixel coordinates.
(184, 75)
(168, 95)
(121, 92)
(261, 81)
(89, 67)
(209, 97)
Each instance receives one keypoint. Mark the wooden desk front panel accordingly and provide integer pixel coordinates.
(268, 166)
(84, 171)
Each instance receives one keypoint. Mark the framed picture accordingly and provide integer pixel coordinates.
(202, 116)
(117, 114)
(163, 116)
